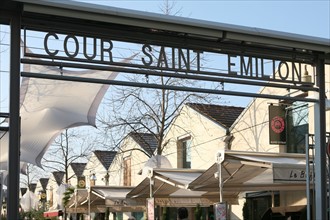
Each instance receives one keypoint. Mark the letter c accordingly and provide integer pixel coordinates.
(46, 44)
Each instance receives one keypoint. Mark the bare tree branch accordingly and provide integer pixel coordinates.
(69, 147)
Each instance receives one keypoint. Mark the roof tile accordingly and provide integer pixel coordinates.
(224, 115)
(146, 140)
(78, 168)
(44, 183)
(58, 175)
(105, 157)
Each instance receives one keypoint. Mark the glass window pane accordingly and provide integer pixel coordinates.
(297, 127)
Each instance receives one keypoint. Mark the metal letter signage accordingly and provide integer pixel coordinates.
(161, 59)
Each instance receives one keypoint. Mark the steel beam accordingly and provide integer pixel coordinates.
(320, 145)
(168, 87)
(14, 122)
(194, 75)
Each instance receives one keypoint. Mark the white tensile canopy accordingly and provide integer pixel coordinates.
(50, 106)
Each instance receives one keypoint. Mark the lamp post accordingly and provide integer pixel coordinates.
(219, 159)
(220, 209)
(106, 181)
(92, 179)
(106, 178)
(75, 203)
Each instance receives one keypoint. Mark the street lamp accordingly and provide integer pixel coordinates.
(220, 209)
(92, 180)
(106, 179)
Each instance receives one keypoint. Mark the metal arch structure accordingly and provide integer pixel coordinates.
(71, 18)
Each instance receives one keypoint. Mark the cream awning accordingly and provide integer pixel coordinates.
(241, 172)
(170, 189)
(115, 198)
(102, 197)
(165, 182)
(80, 200)
(253, 171)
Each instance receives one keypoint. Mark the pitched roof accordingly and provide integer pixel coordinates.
(32, 187)
(44, 183)
(23, 190)
(78, 168)
(146, 140)
(105, 157)
(58, 175)
(224, 115)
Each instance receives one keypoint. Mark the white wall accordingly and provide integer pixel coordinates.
(94, 166)
(206, 136)
(129, 149)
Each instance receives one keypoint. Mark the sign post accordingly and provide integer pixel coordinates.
(151, 208)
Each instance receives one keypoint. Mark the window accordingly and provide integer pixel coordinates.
(258, 203)
(127, 171)
(297, 127)
(184, 153)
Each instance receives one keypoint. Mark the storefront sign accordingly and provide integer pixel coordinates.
(81, 182)
(43, 196)
(290, 173)
(220, 211)
(277, 124)
(151, 208)
(187, 202)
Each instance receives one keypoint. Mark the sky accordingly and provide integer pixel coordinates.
(306, 17)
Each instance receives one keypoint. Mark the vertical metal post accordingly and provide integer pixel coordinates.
(150, 200)
(151, 183)
(220, 209)
(320, 152)
(75, 203)
(220, 182)
(307, 178)
(1, 192)
(89, 203)
(328, 176)
(14, 122)
(220, 156)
